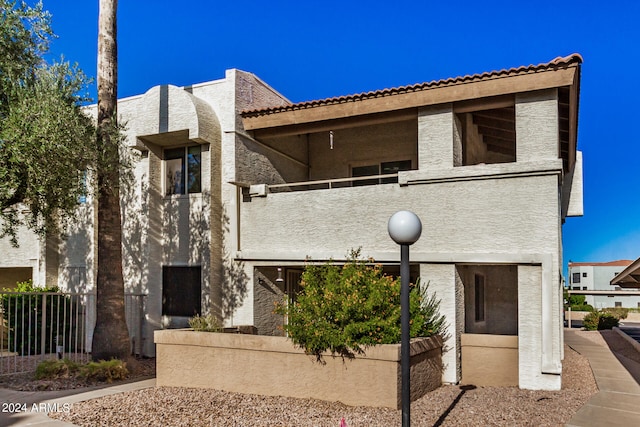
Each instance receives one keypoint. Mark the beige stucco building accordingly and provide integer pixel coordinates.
(234, 188)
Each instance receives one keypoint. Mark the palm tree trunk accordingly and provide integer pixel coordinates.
(110, 336)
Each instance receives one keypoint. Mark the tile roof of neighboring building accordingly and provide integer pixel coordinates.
(557, 63)
(619, 263)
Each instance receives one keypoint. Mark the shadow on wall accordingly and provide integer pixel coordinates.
(235, 280)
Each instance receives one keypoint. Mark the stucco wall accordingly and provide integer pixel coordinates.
(488, 215)
(272, 366)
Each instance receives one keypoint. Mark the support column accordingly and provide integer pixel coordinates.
(536, 355)
(445, 282)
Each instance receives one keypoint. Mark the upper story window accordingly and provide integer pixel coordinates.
(183, 170)
(575, 278)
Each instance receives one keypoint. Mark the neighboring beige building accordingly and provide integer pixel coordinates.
(234, 188)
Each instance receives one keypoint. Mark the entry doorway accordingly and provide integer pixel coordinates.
(489, 344)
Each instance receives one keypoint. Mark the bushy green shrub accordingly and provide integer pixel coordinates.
(208, 323)
(599, 320)
(345, 308)
(619, 312)
(577, 302)
(53, 369)
(103, 370)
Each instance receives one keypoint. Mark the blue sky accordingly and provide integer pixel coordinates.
(318, 49)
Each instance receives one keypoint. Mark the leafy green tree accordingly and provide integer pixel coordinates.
(46, 139)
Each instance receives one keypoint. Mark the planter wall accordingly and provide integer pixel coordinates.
(490, 360)
(272, 366)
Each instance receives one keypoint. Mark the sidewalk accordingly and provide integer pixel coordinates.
(56, 400)
(617, 402)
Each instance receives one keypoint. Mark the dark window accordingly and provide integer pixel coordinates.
(584, 274)
(584, 288)
(365, 171)
(394, 167)
(575, 288)
(383, 168)
(575, 278)
(618, 304)
(181, 291)
(479, 297)
(183, 170)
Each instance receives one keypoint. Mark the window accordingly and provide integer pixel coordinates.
(584, 274)
(618, 304)
(383, 168)
(181, 291)
(575, 278)
(479, 297)
(575, 288)
(584, 288)
(183, 170)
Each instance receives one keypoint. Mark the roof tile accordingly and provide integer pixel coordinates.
(556, 63)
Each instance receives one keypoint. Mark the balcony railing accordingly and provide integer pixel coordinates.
(324, 184)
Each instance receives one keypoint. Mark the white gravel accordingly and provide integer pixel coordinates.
(446, 406)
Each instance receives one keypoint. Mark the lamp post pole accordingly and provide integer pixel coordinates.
(405, 228)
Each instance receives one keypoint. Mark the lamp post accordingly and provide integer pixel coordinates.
(405, 228)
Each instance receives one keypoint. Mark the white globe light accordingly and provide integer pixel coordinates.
(404, 227)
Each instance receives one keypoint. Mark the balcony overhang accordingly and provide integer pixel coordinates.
(398, 101)
(168, 115)
(470, 93)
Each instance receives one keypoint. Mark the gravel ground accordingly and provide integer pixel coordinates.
(447, 406)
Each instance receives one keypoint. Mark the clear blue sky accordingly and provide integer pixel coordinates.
(318, 49)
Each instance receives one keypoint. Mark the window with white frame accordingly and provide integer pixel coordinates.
(183, 170)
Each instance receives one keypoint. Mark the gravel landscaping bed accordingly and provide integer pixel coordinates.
(447, 406)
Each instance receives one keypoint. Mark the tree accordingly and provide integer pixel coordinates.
(110, 336)
(45, 138)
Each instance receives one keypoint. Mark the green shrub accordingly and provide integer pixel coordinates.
(208, 323)
(599, 320)
(343, 309)
(114, 369)
(108, 371)
(607, 321)
(584, 307)
(577, 302)
(619, 312)
(53, 369)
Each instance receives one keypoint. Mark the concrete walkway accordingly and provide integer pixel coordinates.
(617, 402)
(34, 414)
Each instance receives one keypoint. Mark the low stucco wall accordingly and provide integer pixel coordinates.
(272, 366)
(489, 360)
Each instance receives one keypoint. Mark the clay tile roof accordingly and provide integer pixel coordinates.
(556, 63)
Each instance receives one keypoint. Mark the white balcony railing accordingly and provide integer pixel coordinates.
(323, 184)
